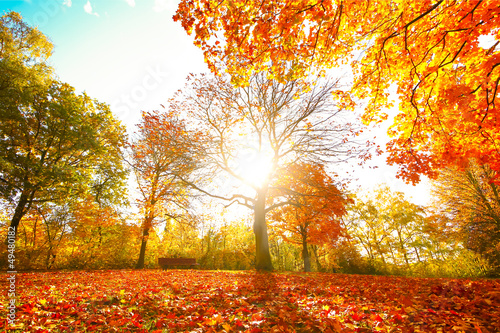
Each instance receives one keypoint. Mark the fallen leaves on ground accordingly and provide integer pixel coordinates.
(222, 301)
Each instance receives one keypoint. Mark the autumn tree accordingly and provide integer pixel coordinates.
(179, 239)
(160, 153)
(286, 256)
(54, 143)
(389, 228)
(257, 131)
(77, 234)
(441, 248)
(23, 59)
(316, 206)
(41, 235)
(224, 243)
(471, 201)
(98, 237)
(363, 225)
(56, 146)
(442, 56)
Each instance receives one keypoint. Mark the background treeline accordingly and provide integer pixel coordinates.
(457, 236)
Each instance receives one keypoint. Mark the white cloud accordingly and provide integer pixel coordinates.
(88, 9)
(67, 3)
(165, 5)
(131, 3)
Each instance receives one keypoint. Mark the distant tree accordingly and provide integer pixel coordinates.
(77, 234)
(225, 244)
(98, 236)
(315, 210)
(471, 200)
(275, 125)
(41, 236)
(179, 239)
(160, 153)
(365, 226)
(388, 227)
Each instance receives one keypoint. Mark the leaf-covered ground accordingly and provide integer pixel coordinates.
(210, 301)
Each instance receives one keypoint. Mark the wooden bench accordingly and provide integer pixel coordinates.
(166, 262)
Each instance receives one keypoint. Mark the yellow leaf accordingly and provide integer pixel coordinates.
(409, 309)
(211, 322)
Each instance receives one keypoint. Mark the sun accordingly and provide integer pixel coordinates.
(255, 167)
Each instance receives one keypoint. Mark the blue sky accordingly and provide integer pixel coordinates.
(131, 55)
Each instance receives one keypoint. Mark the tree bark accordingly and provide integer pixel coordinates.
(145, 235)
(21, 209)
(142, 253)
(318, 263)
(416, 252)
(305, 255)
(148, 222)
(403, 250)
(262, 253)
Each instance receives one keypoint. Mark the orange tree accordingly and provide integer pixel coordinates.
(316, 206)
(442, 56)
(159, 155)
(78, 234)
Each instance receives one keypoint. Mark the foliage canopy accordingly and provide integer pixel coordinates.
(442, 56)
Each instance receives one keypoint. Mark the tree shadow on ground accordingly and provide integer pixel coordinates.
(279, 306)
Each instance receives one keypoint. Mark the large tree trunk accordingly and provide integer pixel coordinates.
(145, 235)
(142, 253)
(318, 263)
(305, 255)
(262, 254)
(21, 209)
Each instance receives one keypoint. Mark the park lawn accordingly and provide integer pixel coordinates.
(247, 301)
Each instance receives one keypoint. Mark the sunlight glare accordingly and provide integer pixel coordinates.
(255, 168)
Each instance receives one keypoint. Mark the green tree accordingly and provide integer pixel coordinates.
(53, 142)
(389, 228)
(58, 145)
(23, 54)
